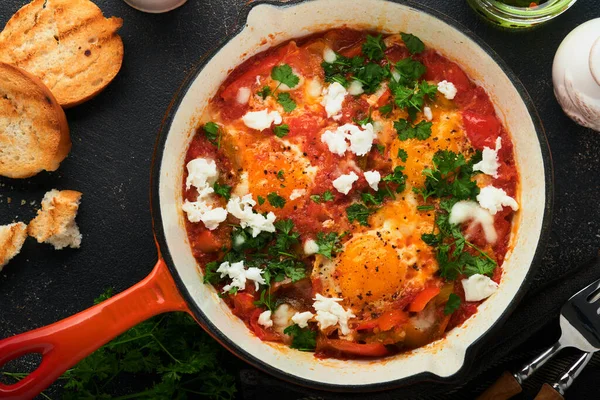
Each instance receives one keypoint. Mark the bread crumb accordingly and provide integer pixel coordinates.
(55, 222)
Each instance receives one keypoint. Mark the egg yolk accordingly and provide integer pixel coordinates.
(369, 270)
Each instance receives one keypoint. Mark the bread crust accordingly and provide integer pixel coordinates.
(68, 44)
(29, 108)
(12, 238)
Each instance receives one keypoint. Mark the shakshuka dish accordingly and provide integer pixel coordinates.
(351, 194)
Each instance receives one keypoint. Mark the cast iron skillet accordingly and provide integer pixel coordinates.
(66, 342)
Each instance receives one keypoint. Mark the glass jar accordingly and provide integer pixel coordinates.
(512, 17)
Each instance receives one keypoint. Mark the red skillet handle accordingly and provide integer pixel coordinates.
(66, 342)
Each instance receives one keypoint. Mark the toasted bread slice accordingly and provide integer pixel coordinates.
(55, 222)
(68, 44)
(12, 237)
(34, 134)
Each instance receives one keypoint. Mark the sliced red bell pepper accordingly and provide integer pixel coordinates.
(385, 322)
(421, 300)
(260, 331)
(352, 348)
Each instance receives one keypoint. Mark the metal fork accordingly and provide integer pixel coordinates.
(580, 326)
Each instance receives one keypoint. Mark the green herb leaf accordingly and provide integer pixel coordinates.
(374, 47)
(452, 304)
(261, 200)
(284, 74)
(265, 300)
(281, 130)
(329, 244)
(402, 155)
(406, 130)
(264, 92)
(316, 198)
(286, 101)
(413, 43)
(280, 175)
(276, 200)
(303, 339)
(360, 213)
(328, 196)
(386, 110)
(409, 70)
(213, 133)
(222, 190)
(397, 177)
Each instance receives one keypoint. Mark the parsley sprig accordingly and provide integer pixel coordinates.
(213, 133)
(329, 244)
(303, 339)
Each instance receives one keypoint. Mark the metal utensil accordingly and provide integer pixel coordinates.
(580, 326)
(557, 389)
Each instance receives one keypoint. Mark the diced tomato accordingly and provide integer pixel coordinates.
(265, 334)
(475, 100)
(384, 98)
(482, 130)
(243, 305)
(385, 322)
(396, 53)
(306, 125)
(208, 242)
(421, 300)
(354, 108)
(345, 347)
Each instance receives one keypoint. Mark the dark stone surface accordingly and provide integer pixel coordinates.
(113, 137)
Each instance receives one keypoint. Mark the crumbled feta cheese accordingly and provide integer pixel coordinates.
(314, 88)
(478, 287)
(243, 95)
(297, 193)
(329, 55)
(201, 211)
(464, 211)
(282, 317)
(331, 313)
(335, 141)
(343, 183)
(264, 319)
(333, 97)
(239, 275)
(361, 140)
(447, 89)
(494, 199)
(261, 120)
(489, 162)
(427, 113)
(301, 319)
(202, 174)
(201, 171)
(355, 88)
(241, 208)
(310, 247)
(373, 178)
(243, 187)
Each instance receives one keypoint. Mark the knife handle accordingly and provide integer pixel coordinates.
(504, 388)
(548, 393)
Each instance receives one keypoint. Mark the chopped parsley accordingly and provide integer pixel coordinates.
(222, 190)
(281, 130)
(386, 110)
(409, 70)
(402, 155)
(450, 243)
(327, 196)
(452, 304)
(303, 339)
(264, 92)
(450, 176)
(276, 200)
(406, 130)
(284, 74)
(329, 244)
(397, 176)
(359, 213)
(212, 133)
(412, 97)
(286, 101)
(343, 70)
(280, 175)
(265, 300)
(413, 43)
(261, 200)
(374, 47)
